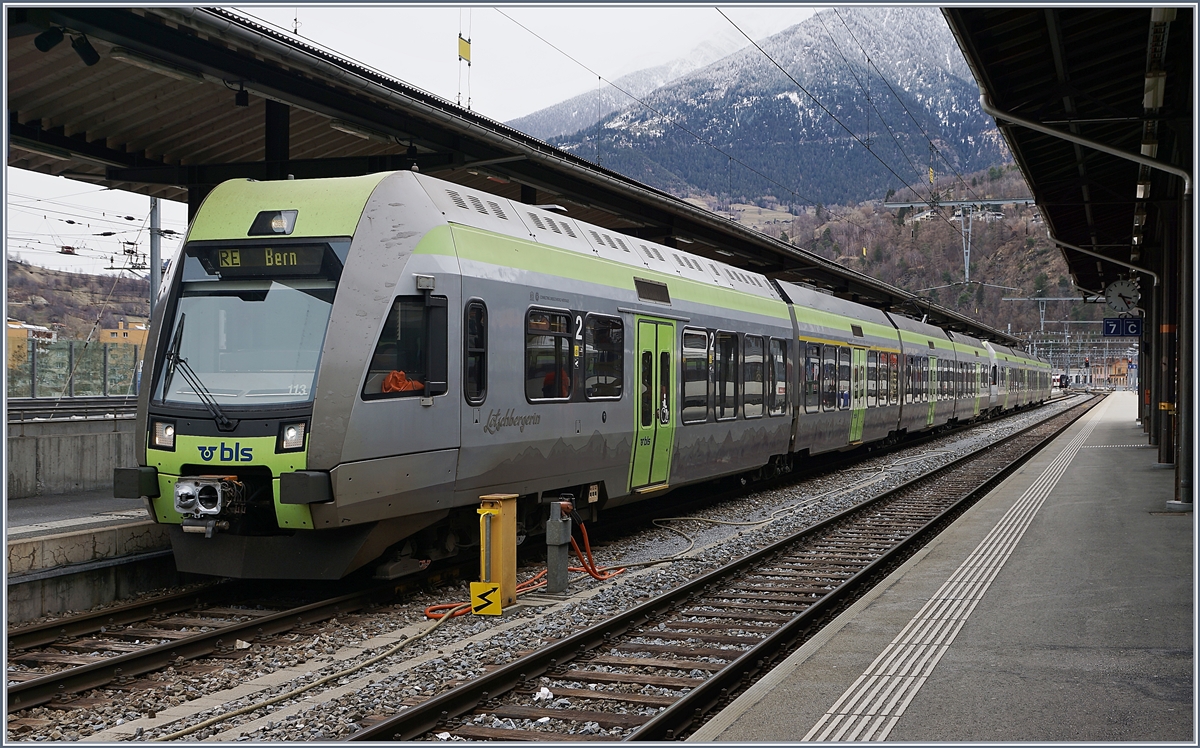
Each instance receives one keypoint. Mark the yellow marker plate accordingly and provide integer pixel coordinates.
(485, 598)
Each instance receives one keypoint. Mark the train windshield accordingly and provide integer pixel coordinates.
(252, 336)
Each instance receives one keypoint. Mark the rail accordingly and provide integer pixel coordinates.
(41, 408)
(484, 695)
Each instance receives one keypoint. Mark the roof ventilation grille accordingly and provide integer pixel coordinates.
(457, 198)
(478, 204)
(537, 221)
(496, 209)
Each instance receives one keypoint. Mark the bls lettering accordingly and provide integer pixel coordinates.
(236, 453)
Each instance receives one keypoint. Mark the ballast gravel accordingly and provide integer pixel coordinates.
(466, 647)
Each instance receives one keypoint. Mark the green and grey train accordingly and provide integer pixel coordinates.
(339, 368)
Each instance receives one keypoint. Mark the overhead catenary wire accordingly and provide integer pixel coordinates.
(825, 109)
(903, 106)
(673, 122)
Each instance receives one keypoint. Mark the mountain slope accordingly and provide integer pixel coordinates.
(742, 128)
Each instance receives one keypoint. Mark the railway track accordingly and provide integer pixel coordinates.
(30, 408)
(110, 649)
(658, 671)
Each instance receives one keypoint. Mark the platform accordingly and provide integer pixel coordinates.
(70, 551)
(1058, 608)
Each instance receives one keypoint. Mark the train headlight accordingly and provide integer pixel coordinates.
(291, 437)
(164, 435)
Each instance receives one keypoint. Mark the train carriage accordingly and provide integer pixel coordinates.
(849, 372)
(339, 368)
(972, 365)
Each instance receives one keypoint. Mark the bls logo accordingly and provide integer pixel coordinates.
(236, 453)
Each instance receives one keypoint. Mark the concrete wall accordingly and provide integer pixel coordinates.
(67, 456)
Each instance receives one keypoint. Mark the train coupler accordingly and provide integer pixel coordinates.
(205, 526)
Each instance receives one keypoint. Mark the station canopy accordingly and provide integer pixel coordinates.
(169, 102)
(1120, 77)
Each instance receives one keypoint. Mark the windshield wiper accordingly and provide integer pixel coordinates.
(174, 361)
(173, 356)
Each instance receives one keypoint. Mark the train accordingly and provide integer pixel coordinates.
(338, 369)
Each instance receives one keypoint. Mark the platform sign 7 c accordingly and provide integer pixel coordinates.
(1122, 327)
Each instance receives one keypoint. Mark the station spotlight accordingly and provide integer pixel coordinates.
(85, 50)
(241, 98)
(48, 39)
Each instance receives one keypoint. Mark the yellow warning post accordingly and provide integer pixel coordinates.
(497, 585)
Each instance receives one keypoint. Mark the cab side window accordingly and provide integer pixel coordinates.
(547, 355)
(475, 353)
(410, 357)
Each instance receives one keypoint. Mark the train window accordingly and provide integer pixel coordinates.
(647, 388)
(726, 361)
(410, 357)
(752, 376)
(695, 376)
(547, 355)
(994, 379)
(604, 351)
(872, 379)
(843, 378)
(894, 378)
(829, 374)
(475, 353)
(812, 377)
(777, 379)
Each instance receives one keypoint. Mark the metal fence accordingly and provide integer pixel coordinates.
(72, 368)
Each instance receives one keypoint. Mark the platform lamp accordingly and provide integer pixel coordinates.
(85, 50)
(48, 39)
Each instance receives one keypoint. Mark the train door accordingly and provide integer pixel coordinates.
(933, 381)
(654, 428)
(858, 393)
(976, 384)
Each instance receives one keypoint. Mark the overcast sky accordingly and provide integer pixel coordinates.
(513, 72)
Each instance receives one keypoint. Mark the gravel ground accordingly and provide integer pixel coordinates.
(423, 664)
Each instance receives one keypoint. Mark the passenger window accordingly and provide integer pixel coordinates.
(547, 355)
(843, 378)
(604, 357)
(812, 377)
(777, 380)
(695, 376)
(829, 378)
(752, 377)
(872, 379)
(647, 388)
(410, 357)
(726, 375)
(665, 381)
(475, 353)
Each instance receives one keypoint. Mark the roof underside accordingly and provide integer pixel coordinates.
(157, 116)
(1084, 71)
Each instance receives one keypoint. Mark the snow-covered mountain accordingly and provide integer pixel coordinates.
(796, 121)
(583, 111)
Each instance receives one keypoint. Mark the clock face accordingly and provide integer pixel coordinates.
(1122, 295)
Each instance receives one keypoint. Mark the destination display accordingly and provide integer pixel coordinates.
(285, 260)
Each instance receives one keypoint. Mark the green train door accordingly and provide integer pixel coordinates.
(654, 428)
(932, 381)
(858, 393)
